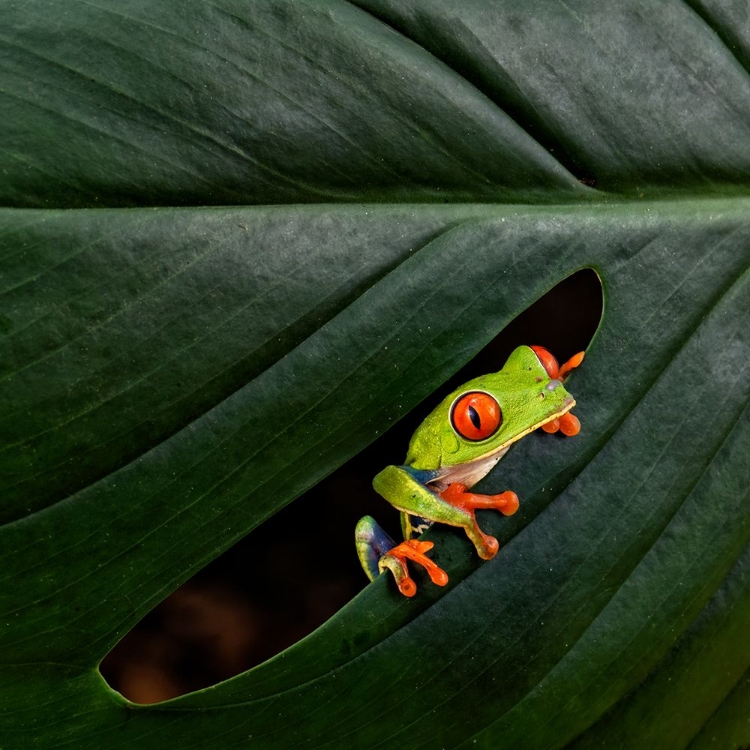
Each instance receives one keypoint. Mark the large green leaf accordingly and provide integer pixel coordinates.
(172, 376)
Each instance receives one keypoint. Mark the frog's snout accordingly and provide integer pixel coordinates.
(552, 386)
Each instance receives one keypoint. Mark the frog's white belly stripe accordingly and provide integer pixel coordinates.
(471, 472)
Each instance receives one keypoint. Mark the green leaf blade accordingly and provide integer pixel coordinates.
(170, 377)
(165, 113)
(217, 490)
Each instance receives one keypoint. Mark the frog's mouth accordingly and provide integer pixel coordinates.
(471, 472)
(568, 404)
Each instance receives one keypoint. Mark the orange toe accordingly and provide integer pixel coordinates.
(570, 425)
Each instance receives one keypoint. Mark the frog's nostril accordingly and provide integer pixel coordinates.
(553, 384)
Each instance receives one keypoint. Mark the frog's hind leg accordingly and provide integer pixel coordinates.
(372, 543)
(452, 505)
(377, 553)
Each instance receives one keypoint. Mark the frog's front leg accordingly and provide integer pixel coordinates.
(459, 497)
(568, 423)
(408, 490)
(401, 486)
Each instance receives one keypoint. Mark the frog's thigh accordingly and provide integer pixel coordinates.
(403, 491)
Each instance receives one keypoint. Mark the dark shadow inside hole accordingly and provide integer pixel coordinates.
(299, 568)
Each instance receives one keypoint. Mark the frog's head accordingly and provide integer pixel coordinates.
(474, 426)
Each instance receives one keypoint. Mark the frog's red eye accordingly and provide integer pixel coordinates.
(476, 416)
(548, 361)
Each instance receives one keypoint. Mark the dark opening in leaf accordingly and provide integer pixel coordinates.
(299, 568)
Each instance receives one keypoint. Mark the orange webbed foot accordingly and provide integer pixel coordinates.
(568, 424)
(469, 502)
(570, 365)
(414, 550)
(549, 362)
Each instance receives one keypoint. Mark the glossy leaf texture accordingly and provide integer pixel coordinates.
(239, 240)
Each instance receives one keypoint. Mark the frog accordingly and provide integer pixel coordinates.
(455, 447)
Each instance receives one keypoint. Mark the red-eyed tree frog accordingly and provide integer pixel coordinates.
(456, 446)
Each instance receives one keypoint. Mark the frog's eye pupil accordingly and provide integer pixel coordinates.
(476, 416)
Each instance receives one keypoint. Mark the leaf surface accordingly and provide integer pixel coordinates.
(173, 371)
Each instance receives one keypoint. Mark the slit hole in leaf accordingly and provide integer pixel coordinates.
(297, 569)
